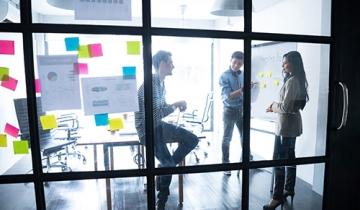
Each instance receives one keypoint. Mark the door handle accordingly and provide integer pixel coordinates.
(345, 92)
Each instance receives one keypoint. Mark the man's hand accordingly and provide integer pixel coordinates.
(181, 105)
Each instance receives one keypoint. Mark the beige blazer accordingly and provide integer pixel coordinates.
(289, 119)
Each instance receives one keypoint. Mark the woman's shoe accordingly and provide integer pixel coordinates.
(273, 204)
(291, 194)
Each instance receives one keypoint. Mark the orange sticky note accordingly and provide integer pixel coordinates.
(84, 51)
(133, 47)
(3, 140)
(116, 124)
(21, 147)
(95, 50)
(11, 130)
(9, 83)
(7, 47)
(48, 122)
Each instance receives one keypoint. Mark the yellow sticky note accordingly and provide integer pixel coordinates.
(4, 73)
(21, 147)
(133, 47)
(3, 140)
(260, 74)
(84, 51)
(48, 122)
(276, 82)
(262, 84)
(269, 74)
(116, 124)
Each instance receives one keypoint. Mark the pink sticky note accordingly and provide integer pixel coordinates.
(11, 130)
(11, 83)
(95, 50)
(81, 68)
(7, 47)
(37, 85)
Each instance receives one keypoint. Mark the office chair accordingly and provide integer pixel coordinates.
(195, 124)
(51, 146)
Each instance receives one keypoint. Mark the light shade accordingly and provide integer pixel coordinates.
(62, 4)
(228, 8)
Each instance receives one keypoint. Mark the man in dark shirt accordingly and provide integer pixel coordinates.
(164, 132)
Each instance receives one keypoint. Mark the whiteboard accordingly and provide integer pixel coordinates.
(266, 71)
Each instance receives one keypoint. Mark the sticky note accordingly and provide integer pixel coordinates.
(268, 74)
(21, 147)
(133, 47)
(101, 119)
(3, 140)
(10, 83)
(260, 74)
(81, 68)
(11, 130)
(72, 43)
(276, 82)
(95, 50)
(7, 47)
(129, 72)
(37, 85)
(262, 84)
(4, 73)
(84, 51)
(48, 122)
(116, 124)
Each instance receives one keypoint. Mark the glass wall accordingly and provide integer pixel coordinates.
(268, 75)
(307, 17)
(10, 11)
(18, 196)
(14, 134)
(87, 94)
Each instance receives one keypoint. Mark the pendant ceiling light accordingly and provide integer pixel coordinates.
(228, 8)
(62, 4)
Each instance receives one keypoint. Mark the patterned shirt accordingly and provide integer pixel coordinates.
(229, 82)
(160, 108)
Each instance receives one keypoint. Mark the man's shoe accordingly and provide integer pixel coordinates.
(227, 173)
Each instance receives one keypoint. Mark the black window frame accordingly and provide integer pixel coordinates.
(27, 28)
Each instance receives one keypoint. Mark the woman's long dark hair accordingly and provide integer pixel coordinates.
(298, 71)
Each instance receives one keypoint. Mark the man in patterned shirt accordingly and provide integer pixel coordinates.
(164, 132)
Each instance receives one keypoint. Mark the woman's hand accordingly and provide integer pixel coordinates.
(269, 109)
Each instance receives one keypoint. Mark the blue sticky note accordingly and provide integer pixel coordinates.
(129, 72)
(101, 119)
(72, 43)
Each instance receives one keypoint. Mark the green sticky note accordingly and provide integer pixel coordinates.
(133, 47)
(48, 122)
(4, 73)
(21, 147)
(84, 51)
(3, 140)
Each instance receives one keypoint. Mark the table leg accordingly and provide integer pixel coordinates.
(181, 185)
(95, 158)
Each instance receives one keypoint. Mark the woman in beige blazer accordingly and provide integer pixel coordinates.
(293, 97)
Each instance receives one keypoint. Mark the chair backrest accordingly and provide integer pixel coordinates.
(208, 106)
(23, 118)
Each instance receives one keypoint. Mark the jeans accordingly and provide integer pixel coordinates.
(284, 148)
(231, 117)
(186, 140)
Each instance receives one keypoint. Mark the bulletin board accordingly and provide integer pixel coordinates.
(266, 71)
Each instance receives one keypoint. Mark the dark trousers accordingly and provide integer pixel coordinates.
(186, 140)
(284, 148)
(231, 117)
